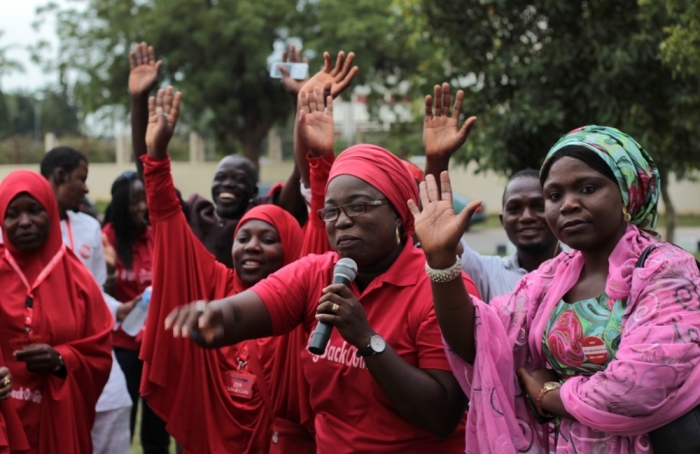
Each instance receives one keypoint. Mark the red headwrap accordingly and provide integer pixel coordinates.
(379, 168)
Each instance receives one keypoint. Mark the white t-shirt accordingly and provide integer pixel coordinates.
(493, 275)
(83, 235)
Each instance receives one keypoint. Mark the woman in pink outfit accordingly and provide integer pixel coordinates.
(604, 346)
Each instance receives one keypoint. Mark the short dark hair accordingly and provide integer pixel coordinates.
(525, 173)
(583, 154)
(66, 158)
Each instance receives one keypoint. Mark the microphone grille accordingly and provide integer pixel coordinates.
(346, 266)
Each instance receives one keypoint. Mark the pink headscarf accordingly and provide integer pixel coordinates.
(384, 171)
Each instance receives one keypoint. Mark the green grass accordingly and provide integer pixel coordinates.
(492, 222)
(682, 220)
(136, 443)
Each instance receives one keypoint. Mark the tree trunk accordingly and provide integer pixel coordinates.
(670, 209)
(252, 144)
(252, 139)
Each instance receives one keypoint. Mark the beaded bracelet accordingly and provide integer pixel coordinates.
(444, 275)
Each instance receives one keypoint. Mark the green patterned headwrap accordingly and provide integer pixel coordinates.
(635, 171)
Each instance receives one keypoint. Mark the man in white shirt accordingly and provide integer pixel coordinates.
(66, 170)
(522, 218)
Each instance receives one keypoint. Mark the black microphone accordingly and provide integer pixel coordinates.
(344, 272)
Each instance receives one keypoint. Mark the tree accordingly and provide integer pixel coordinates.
(536, 70)
(7, 65)
(681, 49)
(214, 51)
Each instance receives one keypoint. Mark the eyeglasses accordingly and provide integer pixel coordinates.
(351, 210)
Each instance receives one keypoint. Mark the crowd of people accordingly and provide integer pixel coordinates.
(585, 340)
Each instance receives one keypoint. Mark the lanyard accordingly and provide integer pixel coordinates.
(29, 300)
(69, 230)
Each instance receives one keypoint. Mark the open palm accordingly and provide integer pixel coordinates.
(144, 70)
(339, 76)
(163, 111)
(438, 227)
(316, 122)
(442, 135)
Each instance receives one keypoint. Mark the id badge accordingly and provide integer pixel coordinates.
(240, 384)
(21, 342)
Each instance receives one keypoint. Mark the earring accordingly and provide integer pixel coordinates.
(398, 235)
(625, 214)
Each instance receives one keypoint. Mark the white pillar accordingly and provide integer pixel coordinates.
(274, 145)
(123, 152)
(196, 147)
(50, 141)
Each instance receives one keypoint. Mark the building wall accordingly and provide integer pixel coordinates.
(196, 177)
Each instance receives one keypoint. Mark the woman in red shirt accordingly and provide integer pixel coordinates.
(383, 383)
(54, 324)
(128, 233)
(193, 389)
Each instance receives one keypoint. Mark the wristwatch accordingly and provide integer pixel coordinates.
(548, 386)
(376, 345)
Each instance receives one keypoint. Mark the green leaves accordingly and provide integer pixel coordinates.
(545, 67)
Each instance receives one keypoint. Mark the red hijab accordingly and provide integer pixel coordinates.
(69, 313)
(288, 228)
(24, 181)
(379, 168)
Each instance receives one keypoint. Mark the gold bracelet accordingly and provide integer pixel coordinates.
(549, 386)
(444, 275)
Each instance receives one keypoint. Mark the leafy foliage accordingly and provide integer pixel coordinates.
(681, 49)
(214, 51)
(535, 70)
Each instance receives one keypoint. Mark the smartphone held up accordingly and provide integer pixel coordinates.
(297, 71)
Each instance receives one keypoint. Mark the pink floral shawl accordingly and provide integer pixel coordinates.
(652, 380)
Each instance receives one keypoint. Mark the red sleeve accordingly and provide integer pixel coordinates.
(183, 271)
(288, 292)
(315, 236)
(88, 360)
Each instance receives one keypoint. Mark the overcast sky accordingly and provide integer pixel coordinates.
(16, 22)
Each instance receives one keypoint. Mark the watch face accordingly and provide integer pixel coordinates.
(377, 343)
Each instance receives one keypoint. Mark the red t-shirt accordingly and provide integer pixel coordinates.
(352, 412)
(131, 283)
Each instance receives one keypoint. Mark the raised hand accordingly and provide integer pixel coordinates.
(316, 121)
(144, 70)
(340, 77)
(438, 227)
(442, 135)
(163, 111)
(292, 86)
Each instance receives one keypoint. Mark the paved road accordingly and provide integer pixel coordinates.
(487, 241)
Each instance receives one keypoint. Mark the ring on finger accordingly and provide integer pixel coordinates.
(335, 308)
(6, 381)
(200, 306)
